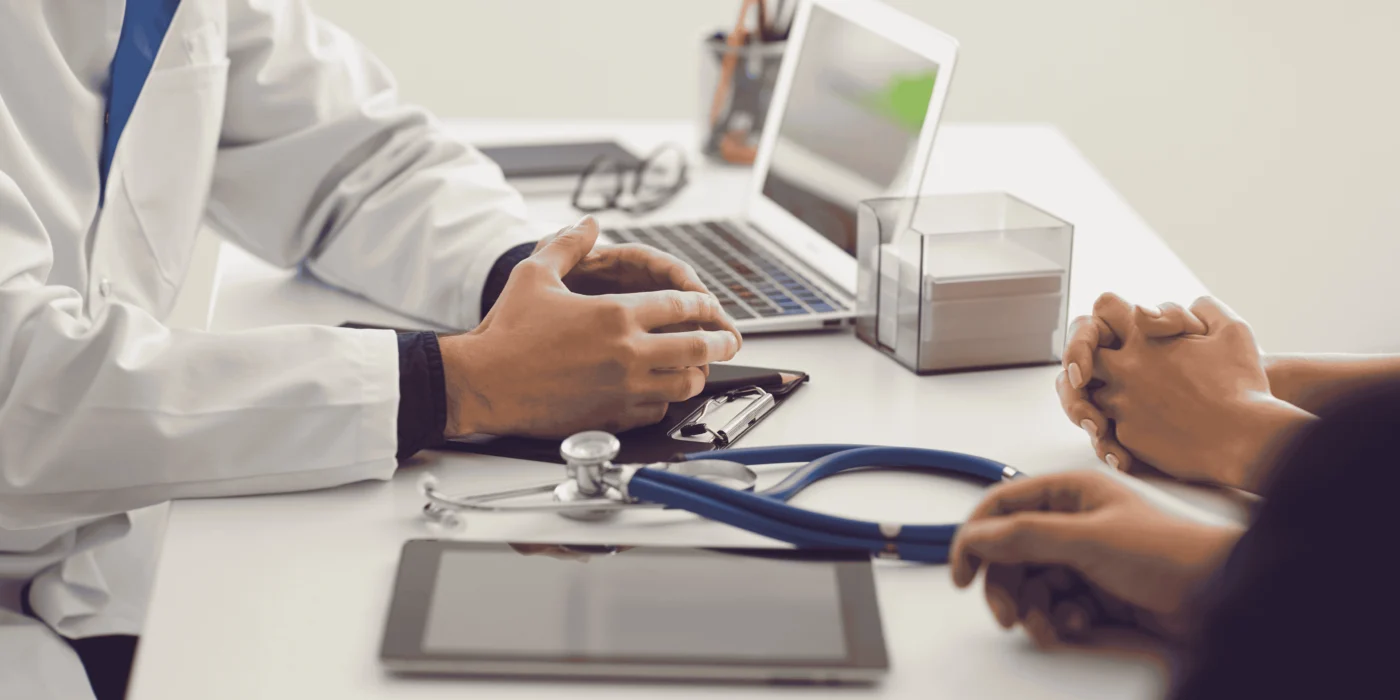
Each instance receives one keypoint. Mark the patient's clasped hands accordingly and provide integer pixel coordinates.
(1183, 390)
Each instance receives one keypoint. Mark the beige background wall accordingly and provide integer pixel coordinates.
(1260, 138)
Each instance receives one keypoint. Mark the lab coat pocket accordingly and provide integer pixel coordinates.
(166, 157)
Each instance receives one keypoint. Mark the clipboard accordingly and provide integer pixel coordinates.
(735, 399)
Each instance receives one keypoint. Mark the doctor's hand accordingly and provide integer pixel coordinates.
(1079, 558)
(633, 267)
(547, 362)
(1196, 406)
(627, 267)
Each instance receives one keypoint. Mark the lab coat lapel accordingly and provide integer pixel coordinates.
(161, 172)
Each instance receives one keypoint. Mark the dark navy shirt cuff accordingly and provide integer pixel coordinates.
(500, 273)
(422, 393)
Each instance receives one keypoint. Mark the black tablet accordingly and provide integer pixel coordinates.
(525, 610)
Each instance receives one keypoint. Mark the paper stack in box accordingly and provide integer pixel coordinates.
(980, 302)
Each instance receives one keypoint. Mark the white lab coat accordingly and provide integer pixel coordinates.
(285, 136)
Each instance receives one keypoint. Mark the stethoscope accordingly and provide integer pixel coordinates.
(719, 485)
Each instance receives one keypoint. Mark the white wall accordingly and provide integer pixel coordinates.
(1259, 137)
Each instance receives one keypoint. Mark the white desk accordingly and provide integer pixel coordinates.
(285, 596)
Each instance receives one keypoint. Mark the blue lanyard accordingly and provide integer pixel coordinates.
(143, 29)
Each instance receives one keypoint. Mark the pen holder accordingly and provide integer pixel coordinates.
(962, 281)
(736, 87)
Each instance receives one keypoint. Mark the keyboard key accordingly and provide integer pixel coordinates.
(735, 311)
(747, 283)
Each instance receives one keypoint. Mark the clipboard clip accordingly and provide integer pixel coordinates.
(724, 418)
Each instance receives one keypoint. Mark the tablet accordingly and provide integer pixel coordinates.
(766, 615)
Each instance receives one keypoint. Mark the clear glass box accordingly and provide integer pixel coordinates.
(962, 281)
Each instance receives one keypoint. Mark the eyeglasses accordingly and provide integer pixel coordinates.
(636, 189)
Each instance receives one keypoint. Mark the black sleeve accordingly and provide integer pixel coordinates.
(500, 273)
(422, 393)
(1304, 601)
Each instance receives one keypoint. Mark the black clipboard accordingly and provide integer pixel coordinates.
(653, 443)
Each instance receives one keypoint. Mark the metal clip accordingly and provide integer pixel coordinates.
(724, 418)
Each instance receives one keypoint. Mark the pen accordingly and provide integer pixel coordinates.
(764, 31)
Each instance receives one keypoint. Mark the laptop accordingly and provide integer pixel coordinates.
(853, 117)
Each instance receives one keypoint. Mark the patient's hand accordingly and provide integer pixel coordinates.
(1080, 558)
(1087, 334)
(1183, 391)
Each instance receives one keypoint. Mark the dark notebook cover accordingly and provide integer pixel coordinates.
(555, 159)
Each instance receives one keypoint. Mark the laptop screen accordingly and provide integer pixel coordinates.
(854, 112)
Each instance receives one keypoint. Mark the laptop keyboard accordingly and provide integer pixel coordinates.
(749, 284)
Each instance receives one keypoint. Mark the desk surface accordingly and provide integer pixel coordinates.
(285, 596)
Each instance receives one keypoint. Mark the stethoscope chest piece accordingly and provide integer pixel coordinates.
(569, 492)
(587, 455)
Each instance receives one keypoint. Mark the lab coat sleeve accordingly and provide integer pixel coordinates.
(321, 164)
(111, 411)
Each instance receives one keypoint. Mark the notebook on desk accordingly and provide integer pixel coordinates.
(541, 168)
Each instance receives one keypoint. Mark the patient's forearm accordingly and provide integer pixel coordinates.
(1312, 382)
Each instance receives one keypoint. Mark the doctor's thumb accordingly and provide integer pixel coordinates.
(569, 246)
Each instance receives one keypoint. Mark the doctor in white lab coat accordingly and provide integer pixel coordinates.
(287, 137)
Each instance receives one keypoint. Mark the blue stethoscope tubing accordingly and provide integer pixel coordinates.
(768, 513)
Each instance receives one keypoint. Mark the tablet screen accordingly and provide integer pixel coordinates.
(664, 605)
(478, 608)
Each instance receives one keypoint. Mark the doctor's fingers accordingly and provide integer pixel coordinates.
(1080, 409)
(1167, 320)
(686, 349)
(669, 307)
(666, 271)
(566, 249)
(670, 385)
(637, 415)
